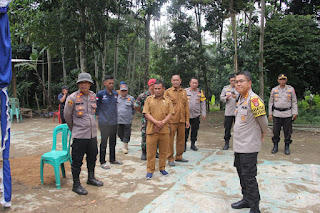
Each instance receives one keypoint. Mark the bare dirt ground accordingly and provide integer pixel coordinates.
(125, 188)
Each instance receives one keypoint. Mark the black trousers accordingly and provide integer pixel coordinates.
(108, 132)
(286, 123)
(228, 121)
(63, 121)
(246, 165)
(194, 126)
(79, 148)
(124, 132)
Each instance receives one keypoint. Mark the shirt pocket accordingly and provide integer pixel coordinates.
(80, 111)
(94, 107)
(243, 115)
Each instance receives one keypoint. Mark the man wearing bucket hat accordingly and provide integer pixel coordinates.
(283, 109)
(79, 115)
(139, 107)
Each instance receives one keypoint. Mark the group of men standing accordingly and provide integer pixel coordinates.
(247, 110)
(170, 113)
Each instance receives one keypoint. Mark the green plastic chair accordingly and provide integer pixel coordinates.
(15, 109)
(55, 157)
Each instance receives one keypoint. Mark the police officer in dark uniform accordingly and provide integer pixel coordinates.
(79, 114)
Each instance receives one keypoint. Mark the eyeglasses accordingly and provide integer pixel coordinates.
(282, 79)
(240, 81)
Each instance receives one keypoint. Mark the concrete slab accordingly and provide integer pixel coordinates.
(207, 183)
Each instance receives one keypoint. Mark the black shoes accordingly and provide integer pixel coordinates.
(94, 182)
(226, 145)
(286, 149)
(193, 146)
(240, 204)
(182, 160)
(77, 188)
(144, 154)
(275, 148)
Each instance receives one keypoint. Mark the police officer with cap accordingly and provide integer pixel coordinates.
(79, 114)
(283, 108)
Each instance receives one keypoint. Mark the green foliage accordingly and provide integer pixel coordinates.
(309, 109)
(292, 47)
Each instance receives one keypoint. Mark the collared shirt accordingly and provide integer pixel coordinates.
(180, 104)
(231, 102)
(79, 115)
(283, 98)
(107, 107)
(158, 108)
(250, 122)
(125, 109)
(197, 102)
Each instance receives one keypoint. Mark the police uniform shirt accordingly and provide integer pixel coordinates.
(180, 105)
(79, 115)
(158, 108)
(196, 102)
(125, 109)
(283, 99)
(231, 102)
(250, 122)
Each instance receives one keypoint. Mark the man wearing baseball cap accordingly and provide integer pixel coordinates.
(125, 113)
(79, 115)
(139, 107)
(283, 109)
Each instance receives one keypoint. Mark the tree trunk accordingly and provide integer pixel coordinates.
(116, 54)
(77, 56)
(96, 70)
(64, 66)
(261, 80)
(43, 77)
(83, 59)
(234, 32)
(147, 39)
(49, 78)
(104, 55)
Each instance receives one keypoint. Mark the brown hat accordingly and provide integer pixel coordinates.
(282, 76)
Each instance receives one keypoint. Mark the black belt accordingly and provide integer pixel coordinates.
(282, 109)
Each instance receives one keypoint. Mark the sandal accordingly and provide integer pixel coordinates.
(116, 162)
(105, 166)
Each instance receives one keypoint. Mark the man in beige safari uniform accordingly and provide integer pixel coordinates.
(284, 109)
(79, 115)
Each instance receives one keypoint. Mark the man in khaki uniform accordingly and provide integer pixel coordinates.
(284, 109)
(250, 128)
(179, 120)
(158, 110)
(79, 115)
(197, 107)
(229, 96)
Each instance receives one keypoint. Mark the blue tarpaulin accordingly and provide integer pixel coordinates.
(5, 79)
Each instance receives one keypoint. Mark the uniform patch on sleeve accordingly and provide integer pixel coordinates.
(257, 107)
(70, 102)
